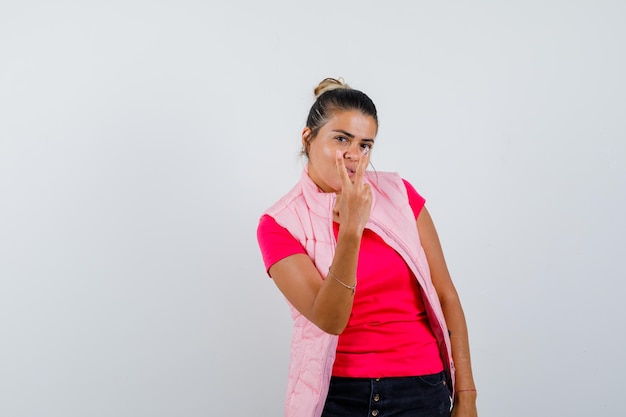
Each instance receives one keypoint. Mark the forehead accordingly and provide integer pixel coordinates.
(353, 122)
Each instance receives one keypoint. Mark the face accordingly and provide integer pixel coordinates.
(350, 132)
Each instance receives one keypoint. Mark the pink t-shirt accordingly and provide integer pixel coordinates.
(388, 333)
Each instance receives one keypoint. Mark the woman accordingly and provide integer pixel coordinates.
(378, 326)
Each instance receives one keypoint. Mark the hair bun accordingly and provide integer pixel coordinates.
(329, 84)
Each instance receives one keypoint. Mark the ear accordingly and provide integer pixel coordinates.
(306, 137)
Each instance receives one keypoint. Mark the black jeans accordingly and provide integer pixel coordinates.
(414, 396)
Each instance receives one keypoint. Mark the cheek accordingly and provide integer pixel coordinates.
(323, 155)
(329, 154)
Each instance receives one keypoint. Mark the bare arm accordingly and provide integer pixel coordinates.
(326, 302)
(465, 401)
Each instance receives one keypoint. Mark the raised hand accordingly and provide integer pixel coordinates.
(354, 203)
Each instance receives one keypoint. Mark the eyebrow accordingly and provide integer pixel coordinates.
(351, 136)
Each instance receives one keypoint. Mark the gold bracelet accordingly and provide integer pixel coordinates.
(350, 287)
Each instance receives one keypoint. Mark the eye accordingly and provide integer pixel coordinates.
(366, 148)
(342, 139)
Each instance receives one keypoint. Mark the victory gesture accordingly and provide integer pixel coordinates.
(354, 203)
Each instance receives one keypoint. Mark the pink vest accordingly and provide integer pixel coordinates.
(307, 214)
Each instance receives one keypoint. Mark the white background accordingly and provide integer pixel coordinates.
(141, 140)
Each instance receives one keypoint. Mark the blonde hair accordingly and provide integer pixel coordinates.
(329, 84)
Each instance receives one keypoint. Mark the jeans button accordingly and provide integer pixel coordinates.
(374, 413)
(376, 397)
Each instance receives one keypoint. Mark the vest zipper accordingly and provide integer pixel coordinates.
(450, 361)
(400, 244)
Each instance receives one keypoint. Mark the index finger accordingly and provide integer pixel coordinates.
(341, 167)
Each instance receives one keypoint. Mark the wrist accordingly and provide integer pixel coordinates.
(465, 395)
(350, 234)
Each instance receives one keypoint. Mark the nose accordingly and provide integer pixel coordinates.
(354, 152)
(351, 154)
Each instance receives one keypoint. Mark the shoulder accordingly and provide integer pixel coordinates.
(411, 191)
(384, 181)
(416, 200)
(285, 201)
(396, 188)
(390, 182)
(275, 241)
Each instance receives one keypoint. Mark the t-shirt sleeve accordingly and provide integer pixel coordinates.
(275, 241)
(415, 200)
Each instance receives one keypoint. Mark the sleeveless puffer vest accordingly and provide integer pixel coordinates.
(307, 214)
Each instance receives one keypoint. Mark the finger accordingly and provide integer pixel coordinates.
(341, 168)
(360, 169)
